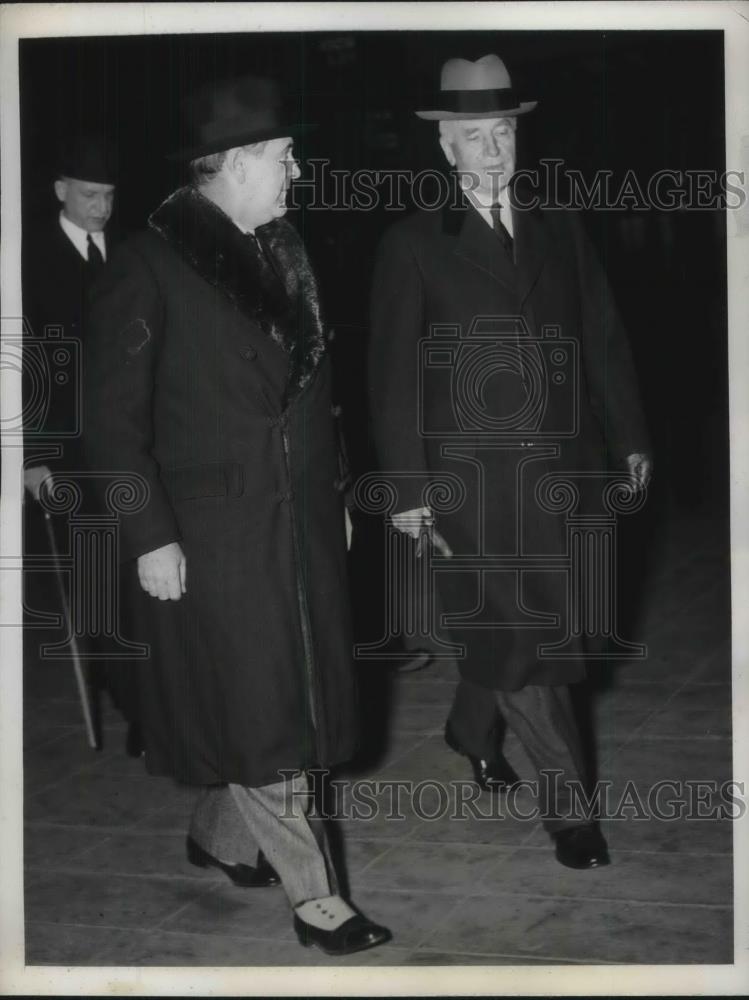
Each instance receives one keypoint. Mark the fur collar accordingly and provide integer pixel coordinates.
(268, 278)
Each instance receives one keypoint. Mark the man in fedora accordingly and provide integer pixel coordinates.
(478, 264)
(208, 375)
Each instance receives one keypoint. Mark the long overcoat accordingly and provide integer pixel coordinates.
(207, 376)
(56, 282)
(501, 371)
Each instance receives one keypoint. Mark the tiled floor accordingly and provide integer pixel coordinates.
(108, 884)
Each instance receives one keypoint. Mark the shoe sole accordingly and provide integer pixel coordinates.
(346, 951)
(584, 868)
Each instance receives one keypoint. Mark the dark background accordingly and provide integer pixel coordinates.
(615, 100)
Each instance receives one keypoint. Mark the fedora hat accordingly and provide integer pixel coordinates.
(231, 113)
(87, 157)
(480, 89)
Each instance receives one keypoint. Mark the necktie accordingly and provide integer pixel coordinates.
(501, 230)
(95, 259)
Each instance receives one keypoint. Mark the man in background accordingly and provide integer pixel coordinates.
(62, 256)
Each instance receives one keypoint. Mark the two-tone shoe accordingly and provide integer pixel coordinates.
(355, 934)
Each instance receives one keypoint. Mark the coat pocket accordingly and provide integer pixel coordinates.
(212, 479)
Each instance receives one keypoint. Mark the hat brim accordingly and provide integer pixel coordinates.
(195, 151)
(87, 176)
(449, 116)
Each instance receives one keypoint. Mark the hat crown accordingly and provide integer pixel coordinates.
(87, 157)
(220, 115)
(480, 89)
(230, 99)
(487, 73)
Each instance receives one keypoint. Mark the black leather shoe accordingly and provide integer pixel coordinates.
(356, 934)
(496, 775)
(581, 847)
(242, 875)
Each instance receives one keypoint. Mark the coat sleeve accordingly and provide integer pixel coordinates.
(124, 336)
(609, 369)
(396, 326)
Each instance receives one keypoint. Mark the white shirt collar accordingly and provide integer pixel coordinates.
(482, 204)
(79, 237)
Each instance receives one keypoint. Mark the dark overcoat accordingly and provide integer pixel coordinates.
(55, 279)
(207, 375)
(466, 379)
(55, 282)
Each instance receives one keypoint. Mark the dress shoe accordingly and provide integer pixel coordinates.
(581, 847)
(495, 775)
(264, 874)
(356, 934)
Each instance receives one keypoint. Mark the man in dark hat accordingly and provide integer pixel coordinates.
(60, 260)
(208, 376)
(522, 274)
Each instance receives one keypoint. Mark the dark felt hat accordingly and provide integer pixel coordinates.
(87, 158)
(232, 113)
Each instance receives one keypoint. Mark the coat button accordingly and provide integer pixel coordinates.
(336, 411)
(286, 497)
(248, 353)
(339, 485)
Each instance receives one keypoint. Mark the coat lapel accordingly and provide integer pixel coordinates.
(531, 249)
(476, 243)
(267, 277)
(480, 247)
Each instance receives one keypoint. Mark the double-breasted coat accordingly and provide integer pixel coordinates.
(207, 376)
(466, 378)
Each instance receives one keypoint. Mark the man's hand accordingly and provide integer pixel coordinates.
(163, 572)
(414, 522)
(640, 468)
(410, 521)
(33, 478)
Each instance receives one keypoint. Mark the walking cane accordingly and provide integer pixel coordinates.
(77, 667)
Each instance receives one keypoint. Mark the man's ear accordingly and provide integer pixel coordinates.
(447, 149)
(235, 163)
(61, 190)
